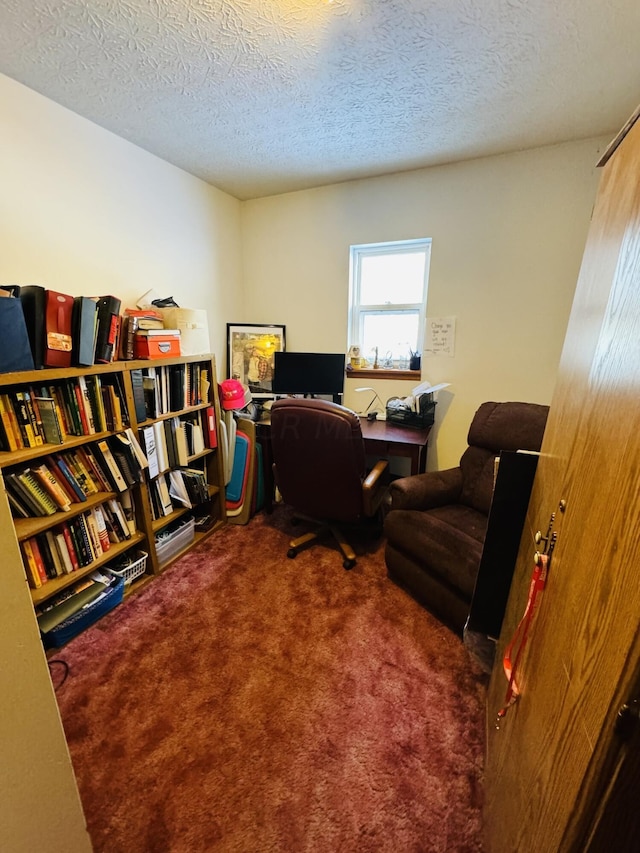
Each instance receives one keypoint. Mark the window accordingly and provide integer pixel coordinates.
(388, 298)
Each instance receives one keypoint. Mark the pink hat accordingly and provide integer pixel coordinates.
(233, 394)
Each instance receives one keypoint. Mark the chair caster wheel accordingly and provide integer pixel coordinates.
(349, 564)
(291, 553)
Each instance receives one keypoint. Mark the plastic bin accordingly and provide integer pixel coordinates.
(77, 623)
(130, 566)
(171, 543)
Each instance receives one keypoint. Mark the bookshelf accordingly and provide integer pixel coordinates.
(109, 516)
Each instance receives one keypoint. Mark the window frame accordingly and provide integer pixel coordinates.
(357, 312)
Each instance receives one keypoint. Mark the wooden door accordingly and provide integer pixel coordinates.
(548, 766)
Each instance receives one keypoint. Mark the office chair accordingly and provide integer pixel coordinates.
(319, 468)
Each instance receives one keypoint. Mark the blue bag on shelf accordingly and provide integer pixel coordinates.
(15, 349)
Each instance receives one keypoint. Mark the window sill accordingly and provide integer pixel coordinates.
(381, 373)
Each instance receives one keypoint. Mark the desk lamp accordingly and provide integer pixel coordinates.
(372, 415)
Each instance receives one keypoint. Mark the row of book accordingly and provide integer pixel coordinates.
(163, 389)
(47, 413)
(76, 543)
(171, 443)
(182, 487)
(61, 479)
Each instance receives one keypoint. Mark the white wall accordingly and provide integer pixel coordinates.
(86, 213)
(508, 235)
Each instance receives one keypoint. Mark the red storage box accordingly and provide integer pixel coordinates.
(156, 346)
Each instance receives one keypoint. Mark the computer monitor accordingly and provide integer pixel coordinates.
(309, 373)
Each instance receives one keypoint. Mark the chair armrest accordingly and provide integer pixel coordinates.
(374, 488)
(425, 491)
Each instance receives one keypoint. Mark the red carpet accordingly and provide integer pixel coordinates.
(250, 703)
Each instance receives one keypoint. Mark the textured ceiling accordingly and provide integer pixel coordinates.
(265, 96)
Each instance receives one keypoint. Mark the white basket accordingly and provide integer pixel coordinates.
(132, 571)
(169, 546)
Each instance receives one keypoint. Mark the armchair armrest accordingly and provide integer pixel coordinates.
(374, 488)
(425, 491)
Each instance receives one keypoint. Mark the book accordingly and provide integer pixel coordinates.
(94, 537)
(34, 577)
(55, 553)
(161, 446)
(125, 458)
(182, 451)
(51, 484)
(111, 467)
(164, 498)
(18, 507)
(13, 441)
(71, 548)
(33, 419)
(41, 545)
(210, 432)
(101, 525)
(119, 517)
(149, 332)
(108, 308)
(51, 426)
(63, 550)
(137, 381)
(44, 500)
(22, 416)
(91, 463)
(149, 439)
(68, 478)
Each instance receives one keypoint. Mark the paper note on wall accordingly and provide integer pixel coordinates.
(441, 336)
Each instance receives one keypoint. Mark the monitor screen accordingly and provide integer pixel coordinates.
(308, 373)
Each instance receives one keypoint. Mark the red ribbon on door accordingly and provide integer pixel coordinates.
(513, 652)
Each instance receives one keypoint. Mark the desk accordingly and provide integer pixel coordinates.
(381, 438)
(384, 439)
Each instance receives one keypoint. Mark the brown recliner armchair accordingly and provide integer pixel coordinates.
(436, 527)
(319, 468)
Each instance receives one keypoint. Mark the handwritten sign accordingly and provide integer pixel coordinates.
(441, 336)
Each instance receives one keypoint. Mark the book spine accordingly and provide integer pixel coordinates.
(41, 545)
(70, 479)
(114, 472)
(31, 567)
(63, 550)
(53, 487)
(40, 495)
(55, 553)
(22, 415)
(5, 416)
(101, 525)
(92, 530)
(81, 541)
(71, 548)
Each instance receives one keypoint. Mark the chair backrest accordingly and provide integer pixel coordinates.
(496, 427)
(319, 458)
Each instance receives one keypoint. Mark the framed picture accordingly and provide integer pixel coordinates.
(250, 355)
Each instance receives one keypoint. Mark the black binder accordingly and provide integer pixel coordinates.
(32, 297)
(108, 313)
(83, 331)
(15, 348)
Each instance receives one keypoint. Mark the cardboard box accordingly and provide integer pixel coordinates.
(193, 326)
(158, 346)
